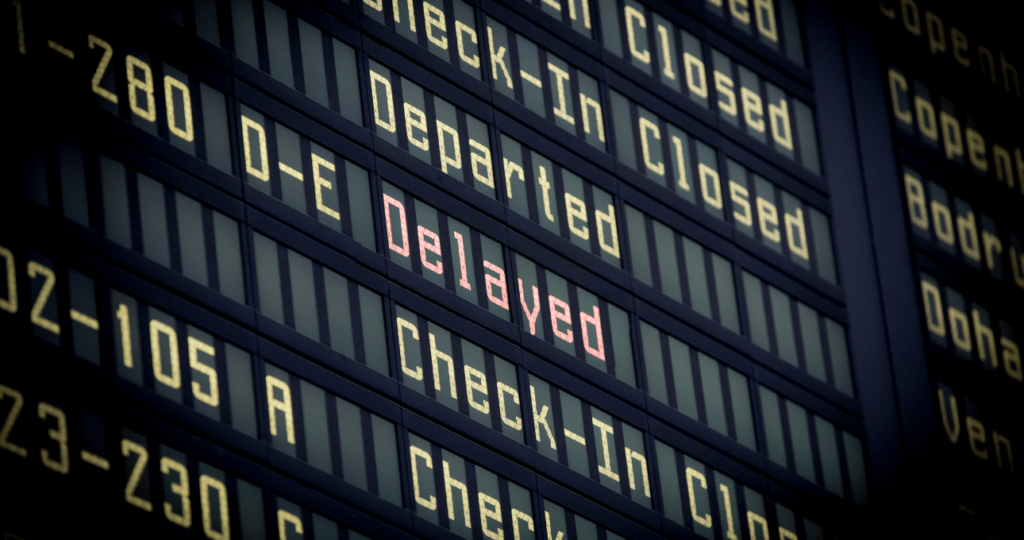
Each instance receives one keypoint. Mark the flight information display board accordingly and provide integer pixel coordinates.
(279, 269)
(952, 96)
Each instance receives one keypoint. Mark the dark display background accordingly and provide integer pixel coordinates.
(737, 383)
